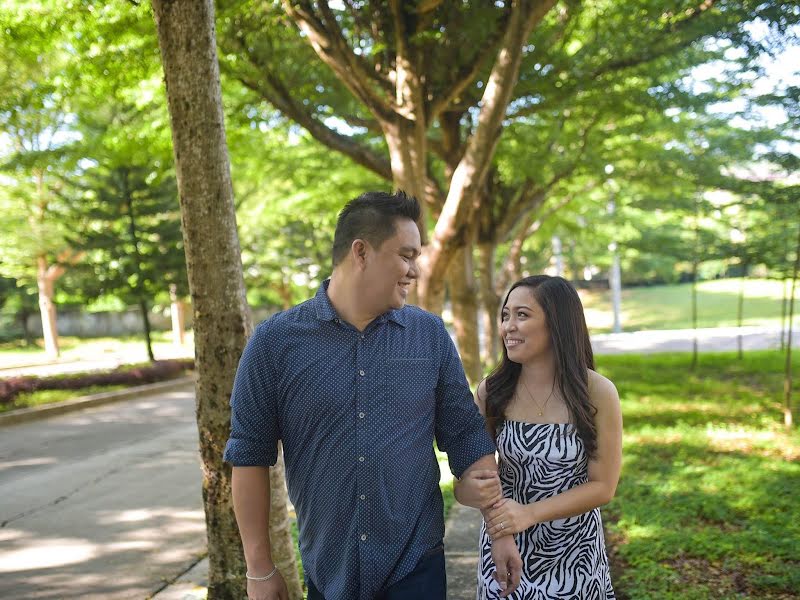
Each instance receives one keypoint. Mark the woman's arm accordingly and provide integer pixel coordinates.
(509, 517)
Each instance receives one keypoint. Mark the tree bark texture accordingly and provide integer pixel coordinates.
(46, 276)
(490, 303)
(221, 316)
(464, 301)
(138, 288)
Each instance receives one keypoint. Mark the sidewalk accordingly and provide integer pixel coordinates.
(461, 552)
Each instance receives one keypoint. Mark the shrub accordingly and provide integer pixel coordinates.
(125, 375)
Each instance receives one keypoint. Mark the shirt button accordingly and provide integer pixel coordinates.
(361, 415)
(362, 337)
(360, 459)
(361, 372)
(363, 537)
(363, 497)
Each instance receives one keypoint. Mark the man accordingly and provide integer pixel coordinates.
(356, 386)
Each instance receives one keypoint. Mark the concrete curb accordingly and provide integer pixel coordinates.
(38, 363)
(190, 585)
(57, 408)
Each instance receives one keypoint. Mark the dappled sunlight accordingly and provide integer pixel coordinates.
(639, 532)
(167, 407)
(45, 553)
(599, 319)
(749, 441)
(27, 462)
(150, 521)
(753, 288)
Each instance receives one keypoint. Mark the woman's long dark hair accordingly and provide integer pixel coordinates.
(572, 352)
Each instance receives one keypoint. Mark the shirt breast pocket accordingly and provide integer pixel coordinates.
(411, 385)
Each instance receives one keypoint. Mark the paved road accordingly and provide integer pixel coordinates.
(102, 503)
(715, 339)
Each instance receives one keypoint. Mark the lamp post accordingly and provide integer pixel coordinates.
(615, 275)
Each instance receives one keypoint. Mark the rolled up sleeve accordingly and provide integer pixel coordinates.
(254, 411)
(460, 428)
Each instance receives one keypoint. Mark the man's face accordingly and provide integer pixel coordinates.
(392, 268)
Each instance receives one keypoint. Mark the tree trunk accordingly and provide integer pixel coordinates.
(406, 142)
(46, 279)
(138, 286)
(464, 299)
(222, 320)
(148, 341)
(490, 301)
(22, 317)
(280, 531)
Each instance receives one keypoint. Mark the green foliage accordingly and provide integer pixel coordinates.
(705, 505)
(287, 212)
(129, 227)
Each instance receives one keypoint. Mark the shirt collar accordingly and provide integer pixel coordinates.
(325, 311)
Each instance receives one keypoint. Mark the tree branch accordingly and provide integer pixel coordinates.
(271, 88)
(464, 76)
(327, 40)
(646, 55)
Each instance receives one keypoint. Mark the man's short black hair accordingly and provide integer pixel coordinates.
(371, 217)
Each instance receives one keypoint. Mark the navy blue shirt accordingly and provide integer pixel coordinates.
(357, 413)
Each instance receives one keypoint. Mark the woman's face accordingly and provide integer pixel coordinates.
(523, 327)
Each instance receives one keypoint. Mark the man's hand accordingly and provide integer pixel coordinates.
(507, 564)
(479, 488)
(273, 588)
(507, 517)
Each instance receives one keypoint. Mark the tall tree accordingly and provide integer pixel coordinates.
(421, 93)
(187, 39)
(129, 227)
(34, 115)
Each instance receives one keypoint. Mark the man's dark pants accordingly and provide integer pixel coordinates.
(428, 581)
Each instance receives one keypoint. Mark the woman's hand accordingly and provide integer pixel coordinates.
(507, 565)
(507, 517)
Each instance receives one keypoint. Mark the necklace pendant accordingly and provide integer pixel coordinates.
(540, 414)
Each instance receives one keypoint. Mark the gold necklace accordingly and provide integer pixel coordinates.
(541, 408)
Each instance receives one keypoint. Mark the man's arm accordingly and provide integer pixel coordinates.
(479, 487)
(251, 499)
(251, 449)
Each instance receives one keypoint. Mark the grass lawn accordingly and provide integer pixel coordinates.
(669, 307)
(707, 506)
(74, 348)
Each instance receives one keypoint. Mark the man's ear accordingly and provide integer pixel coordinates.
(358, 250)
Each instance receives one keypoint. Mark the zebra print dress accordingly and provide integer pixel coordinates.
(565, 558)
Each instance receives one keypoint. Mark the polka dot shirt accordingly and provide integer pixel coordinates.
(357, 413)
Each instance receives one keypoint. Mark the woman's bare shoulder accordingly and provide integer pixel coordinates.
(602, 390)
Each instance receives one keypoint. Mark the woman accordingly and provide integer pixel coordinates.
(558, 428)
